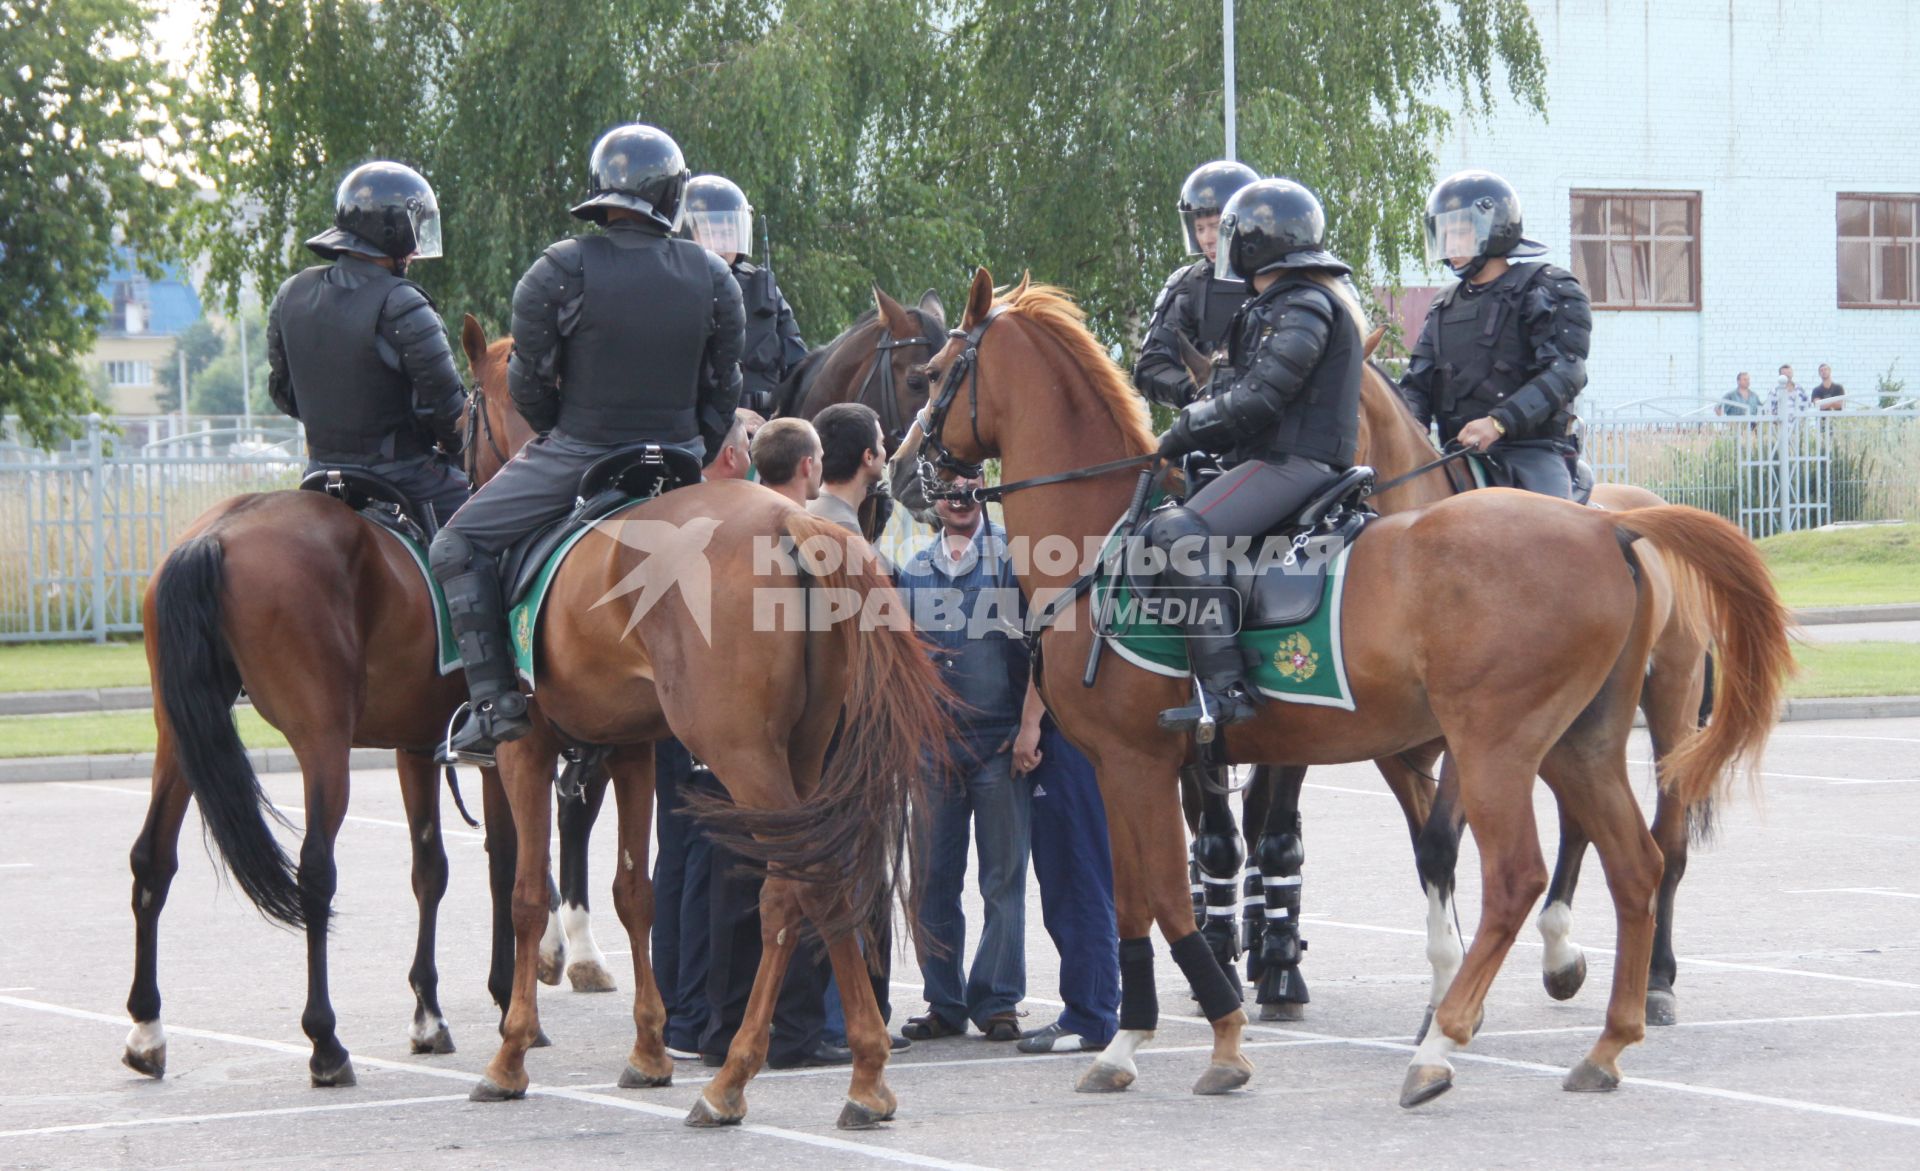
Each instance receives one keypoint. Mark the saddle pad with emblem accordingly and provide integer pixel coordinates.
(448, 648)
(1301, 663)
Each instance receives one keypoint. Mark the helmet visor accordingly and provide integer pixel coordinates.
(1223, 252)
(724, 232)
(426, 229)
(1196, 225)
(1461, 232)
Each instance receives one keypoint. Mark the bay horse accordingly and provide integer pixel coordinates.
(326, 624)
(757, 702)
(1428, 658)
(872, 361)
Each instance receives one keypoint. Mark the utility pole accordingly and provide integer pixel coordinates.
(182, 352)
(246, 378)
(1226, 46)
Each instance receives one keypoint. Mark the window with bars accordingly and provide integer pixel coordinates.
(1879, 261)
(1638, 249)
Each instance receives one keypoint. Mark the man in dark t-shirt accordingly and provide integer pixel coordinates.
(1829, 394)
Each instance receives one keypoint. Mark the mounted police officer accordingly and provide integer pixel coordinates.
(621, 337)
(356, 351)
(1197, 301)
(1283, 416)
(719, 218)
(1503, 353)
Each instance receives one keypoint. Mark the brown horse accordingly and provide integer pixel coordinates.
(327, 624)
(757, 701)
(1428, 657)
(872, 361)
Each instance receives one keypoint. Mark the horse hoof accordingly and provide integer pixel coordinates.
(632, 1078)
(339, 1077)
(856, 1116)
(1562, 984)
(1588, 1078)
(588, 976)
(440, 1044)
(541, 1040)
(152, 1063)
(488, 1090)
(549, 967)
(1222, 1078)
(1662, 1007)
(1425, 1083)
(1102, 1078)
(1284, 1011)
(704, 1116)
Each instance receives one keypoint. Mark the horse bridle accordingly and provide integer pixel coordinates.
(478, 423)
(880, 378)
(933, 422)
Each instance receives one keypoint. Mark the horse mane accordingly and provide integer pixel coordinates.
(1053, 311)
(1392, 395)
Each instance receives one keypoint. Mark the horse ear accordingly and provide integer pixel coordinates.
(979, 298)
(1026, 280)
(473, 339)
(897, 322)
(933, 306)
(1373, 342)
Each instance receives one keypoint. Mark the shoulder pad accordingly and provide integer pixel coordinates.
(746, 267)
(405, 298)
(715, 266)
(569, 255)
(1309, 295)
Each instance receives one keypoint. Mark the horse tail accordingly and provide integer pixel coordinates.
(197, 684)
(852, 829)
(1748, 625)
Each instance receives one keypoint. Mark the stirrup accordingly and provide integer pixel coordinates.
(473, 755)
(1207, 714)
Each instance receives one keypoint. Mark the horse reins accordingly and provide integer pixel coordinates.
(478, 423)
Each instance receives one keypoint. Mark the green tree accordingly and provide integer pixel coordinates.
(202, 342)
(1081, 118)
(87, 129)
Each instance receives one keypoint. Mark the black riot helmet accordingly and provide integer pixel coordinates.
(1206, 192)
(1475, 214)
(640, 167)
(718, 216)
(382, 209)
(1273, 224)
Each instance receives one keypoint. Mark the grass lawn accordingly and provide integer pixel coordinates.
(1857, 668)
(65, 666)
(107, 732)
(1863, 566)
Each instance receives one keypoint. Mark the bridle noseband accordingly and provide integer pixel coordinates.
(879, 380)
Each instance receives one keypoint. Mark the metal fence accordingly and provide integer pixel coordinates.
(82, 528)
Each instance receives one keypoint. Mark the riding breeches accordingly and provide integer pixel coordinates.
(1250, 498)
(1538, 468)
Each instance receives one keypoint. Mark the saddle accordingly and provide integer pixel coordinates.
(1291, 593)
(375, 497)
(619, 478)
(1497, 474)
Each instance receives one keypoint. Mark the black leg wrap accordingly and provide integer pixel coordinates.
(1212, 987)
(1139, 1003)
(1281, 856)
(1253, 918)
(1198, 888)
(1219, 856)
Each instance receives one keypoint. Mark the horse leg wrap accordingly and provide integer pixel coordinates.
(1198, 888)
(1139, 1003)
(1219, 857)
(1212, 987)
(1253, 917)
(1281, 855)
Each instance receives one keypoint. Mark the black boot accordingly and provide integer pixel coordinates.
(1212, 627)
(497, 711)
(1222, 672)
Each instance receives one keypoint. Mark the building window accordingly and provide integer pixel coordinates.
(1638, 249)
(130, 373)
(1879, 265)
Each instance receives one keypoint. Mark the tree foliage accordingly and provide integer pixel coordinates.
(87, 162)
(892, 143)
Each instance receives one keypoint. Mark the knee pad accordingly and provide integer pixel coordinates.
(451, 554)
(1218, 854)
(1172, 526)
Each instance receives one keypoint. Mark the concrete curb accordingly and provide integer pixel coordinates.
(1844, 615)
(93, 699)
(1865, 707)
(139, 765)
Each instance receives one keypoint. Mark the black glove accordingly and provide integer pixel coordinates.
(1176, 442)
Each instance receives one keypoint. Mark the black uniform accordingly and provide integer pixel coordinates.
(626, 337)
(359, 355)
(1194, 303)
(773, 344)
(1513, 350)
(1284, 412)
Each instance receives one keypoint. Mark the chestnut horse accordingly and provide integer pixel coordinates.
(1428, 658)
(755, 698)
(327, 625)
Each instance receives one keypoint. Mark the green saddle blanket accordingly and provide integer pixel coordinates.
(448, 650)
(1302, 663)
(523, 621)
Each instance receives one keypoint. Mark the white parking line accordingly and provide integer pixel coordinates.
(1725, 965)
(1857, 890)
(829, 1142)
(188, 1119)
(292, 816)
(1343, 789)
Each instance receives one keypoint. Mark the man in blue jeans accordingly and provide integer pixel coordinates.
(966, 602)
(1074, 867)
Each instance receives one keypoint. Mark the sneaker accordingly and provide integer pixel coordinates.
(1052, 1039)
(821, 1054)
